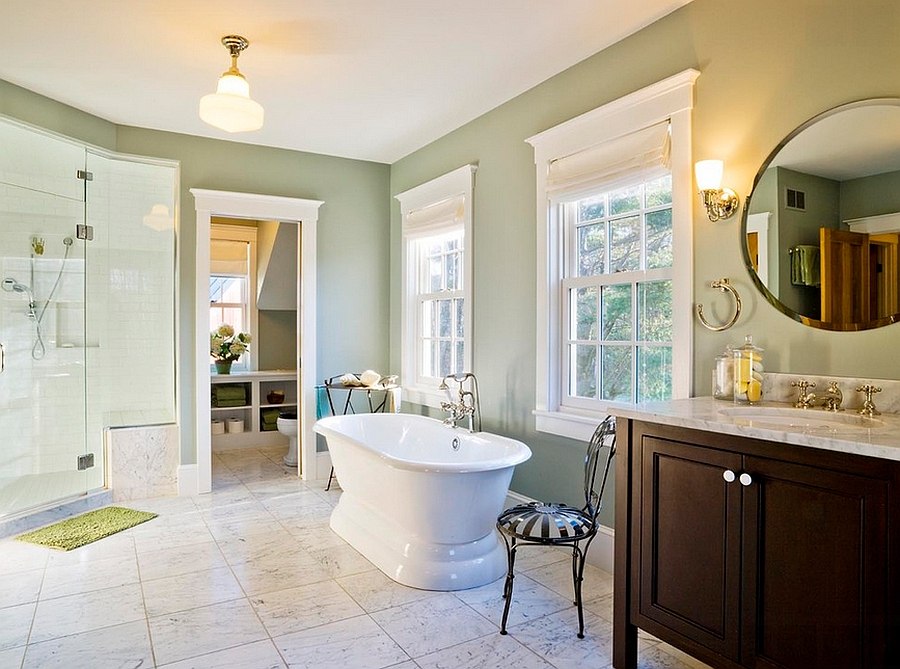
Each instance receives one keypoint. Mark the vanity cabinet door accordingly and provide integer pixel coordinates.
(690, 542)
(815, 567)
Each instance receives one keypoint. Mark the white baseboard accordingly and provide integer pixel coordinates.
(601, 552)
(188, 481)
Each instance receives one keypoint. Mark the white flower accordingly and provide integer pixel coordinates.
(225, 345)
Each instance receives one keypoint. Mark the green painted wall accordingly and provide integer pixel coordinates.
(767, 66)
(277, 340)
(49, 114)
(870, 196)
(802, 227)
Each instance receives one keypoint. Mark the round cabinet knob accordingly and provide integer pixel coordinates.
(728, 475)
(745, 479)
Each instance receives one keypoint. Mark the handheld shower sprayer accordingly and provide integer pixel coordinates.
(10, 285)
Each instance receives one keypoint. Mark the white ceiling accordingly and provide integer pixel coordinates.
(367, 79)
(857, 142)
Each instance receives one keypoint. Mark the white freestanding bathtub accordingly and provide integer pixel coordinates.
(420, 499)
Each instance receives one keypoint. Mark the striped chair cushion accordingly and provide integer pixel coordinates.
(540, 521)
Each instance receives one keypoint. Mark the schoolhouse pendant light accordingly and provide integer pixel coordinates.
(230, 107)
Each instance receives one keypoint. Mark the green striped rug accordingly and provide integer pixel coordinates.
(86, 528)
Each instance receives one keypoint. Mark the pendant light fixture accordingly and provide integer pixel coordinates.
(230, 107)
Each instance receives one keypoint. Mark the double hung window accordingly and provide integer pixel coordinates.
(614, 257)
(618, 294)
(437, 283)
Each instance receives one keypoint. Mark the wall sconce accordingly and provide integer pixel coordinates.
(720, 202)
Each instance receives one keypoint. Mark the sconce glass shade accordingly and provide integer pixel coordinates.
(720, 203)
(709, 174)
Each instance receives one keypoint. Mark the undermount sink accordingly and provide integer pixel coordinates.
(807, 420)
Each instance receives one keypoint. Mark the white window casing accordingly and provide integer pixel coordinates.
(438, 207)
(602, 149)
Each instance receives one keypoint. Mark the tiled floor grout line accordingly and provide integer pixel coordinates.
(37, 603)
(144, 605)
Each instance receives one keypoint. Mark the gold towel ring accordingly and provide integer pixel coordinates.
(723, 285)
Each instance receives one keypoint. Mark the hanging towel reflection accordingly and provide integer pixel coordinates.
(805, 265)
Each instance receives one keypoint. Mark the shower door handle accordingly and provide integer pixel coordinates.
(2, 358)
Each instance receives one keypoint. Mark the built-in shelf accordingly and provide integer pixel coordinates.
(259, 385)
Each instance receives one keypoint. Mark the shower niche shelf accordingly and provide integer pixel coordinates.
(257, 386)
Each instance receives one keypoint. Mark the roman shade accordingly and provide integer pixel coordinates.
(637, 156)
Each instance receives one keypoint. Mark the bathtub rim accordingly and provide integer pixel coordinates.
(522, 454)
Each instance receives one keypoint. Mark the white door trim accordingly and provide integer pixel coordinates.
(305, 213)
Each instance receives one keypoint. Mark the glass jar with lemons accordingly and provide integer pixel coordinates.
(748, 372)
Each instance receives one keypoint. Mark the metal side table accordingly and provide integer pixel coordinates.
(387, 386)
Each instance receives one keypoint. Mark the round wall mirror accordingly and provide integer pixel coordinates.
(821, 227)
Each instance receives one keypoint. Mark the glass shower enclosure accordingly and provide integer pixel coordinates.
(87, 276)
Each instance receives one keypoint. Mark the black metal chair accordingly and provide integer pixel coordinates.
(546, 524)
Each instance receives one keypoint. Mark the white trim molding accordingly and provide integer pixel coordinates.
(187, 480)
(672, 100)
(875, 225)
(305, 213)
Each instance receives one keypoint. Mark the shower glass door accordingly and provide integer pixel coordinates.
(42, 306)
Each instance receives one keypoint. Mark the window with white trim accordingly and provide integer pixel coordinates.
(436, 300)
(614, 212)
(232, 283)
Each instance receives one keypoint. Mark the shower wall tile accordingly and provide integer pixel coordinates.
(142, 461)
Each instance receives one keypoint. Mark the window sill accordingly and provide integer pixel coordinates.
(578, 425)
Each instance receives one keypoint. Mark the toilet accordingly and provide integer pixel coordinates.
(287, 425)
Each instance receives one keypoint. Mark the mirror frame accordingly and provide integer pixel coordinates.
(748, 263)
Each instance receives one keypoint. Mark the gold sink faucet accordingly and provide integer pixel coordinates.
(804, 399)
(832, 398)
(868, 406)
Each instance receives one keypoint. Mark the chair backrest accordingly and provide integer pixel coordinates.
(603, 439)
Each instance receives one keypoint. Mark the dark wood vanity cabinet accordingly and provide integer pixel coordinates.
(784, 565)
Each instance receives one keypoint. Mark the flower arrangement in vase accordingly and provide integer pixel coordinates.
(226, 346)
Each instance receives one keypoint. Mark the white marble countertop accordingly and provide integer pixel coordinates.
(846, 432)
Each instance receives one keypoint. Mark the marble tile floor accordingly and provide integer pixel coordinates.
(251, 577)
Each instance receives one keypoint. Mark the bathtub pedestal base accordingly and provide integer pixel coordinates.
(406, 558)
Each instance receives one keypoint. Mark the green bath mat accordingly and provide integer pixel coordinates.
(86, 528)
